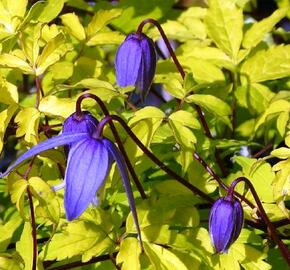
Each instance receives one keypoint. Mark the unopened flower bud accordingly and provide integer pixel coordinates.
(225, 223)
(136, 62)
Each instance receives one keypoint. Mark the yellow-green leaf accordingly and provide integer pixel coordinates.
(18, 191)
(73, 25)
(129, 254)
(282, 153)
(258, 30)
(224, 21)
(102, 38)
(25, 246)
(12, 61)
(27, 121)
(270, 64)
(101, 19)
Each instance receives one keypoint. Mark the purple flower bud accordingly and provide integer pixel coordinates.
(136, 62)
(225, 223)
(77, 124)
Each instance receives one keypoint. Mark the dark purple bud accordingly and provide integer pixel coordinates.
(84, 123)
(225, 223)
(136, 62)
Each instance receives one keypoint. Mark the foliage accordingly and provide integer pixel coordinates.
(237, 71)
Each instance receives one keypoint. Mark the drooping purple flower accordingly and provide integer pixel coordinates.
(136, 62)
(225, 223)
(89, 160)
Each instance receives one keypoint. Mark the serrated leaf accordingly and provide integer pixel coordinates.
(78, 238)
(260, 176)
(25, 246)
(103, 38)
(224, 21)
(275, 107)
(53, 105)
(52, 52)
(73, 25)
(28, 121)
(211, 103)
(5, 117)
(30, 42)
(12, 61)
(18, 191)
(129, 254)
(185, 118)
(44, 11)
(270, 64)
(282, 153)
(163, 259)
(258, 30)
(101, 19)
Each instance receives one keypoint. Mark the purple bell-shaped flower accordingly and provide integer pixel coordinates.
(136, 62)
(225, 222)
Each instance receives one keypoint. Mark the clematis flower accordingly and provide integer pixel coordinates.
(136, 62)
(225, 223)
(89, 160)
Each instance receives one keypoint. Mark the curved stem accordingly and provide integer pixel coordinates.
(116, 136)
(32, 216)
(182, 73)
(273, 233)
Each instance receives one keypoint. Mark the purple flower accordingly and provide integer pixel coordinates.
(136, 62)
(225, 223)
(89, 160)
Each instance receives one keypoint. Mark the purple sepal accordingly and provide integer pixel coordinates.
(225, 223)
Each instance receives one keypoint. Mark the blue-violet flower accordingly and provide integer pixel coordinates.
(136, 62)
(225, 223)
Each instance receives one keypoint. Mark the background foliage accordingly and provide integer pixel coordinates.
(238, 68)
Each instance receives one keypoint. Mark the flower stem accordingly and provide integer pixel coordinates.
(39, 91)
(182, 73)
(273, 232)
(116, 136)
(32, 215)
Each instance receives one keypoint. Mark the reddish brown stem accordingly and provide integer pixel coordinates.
(182, 73)
(273, 233)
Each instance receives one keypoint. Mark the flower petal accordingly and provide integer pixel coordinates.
(126, 182)
(45, 145)
(87, 169)
(127, 61)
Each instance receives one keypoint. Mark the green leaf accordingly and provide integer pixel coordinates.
(212, 104)
(78, 238)
(73, 25)
(16, 8)
(162, 258)
(203, 71)
(25, 246)
(18, 191)
(52, 105)
(261, 177)
(30, 42)
(275, 107)
(10, 262)
(282, 153)
(44, 11)
(258, 30)
(28, 121)
(101, 19)
(12, 61)
(185, 118)
(103, 38)
(265, 65)
(7, 231)
(5, 117)
(129, 254)
(52, 52)
(224, 23)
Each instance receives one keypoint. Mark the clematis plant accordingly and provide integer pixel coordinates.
(90, 156)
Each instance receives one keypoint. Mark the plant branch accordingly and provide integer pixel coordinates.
(182, 73)
(32, 215)
(272, 230)
(116, 136)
